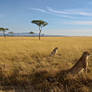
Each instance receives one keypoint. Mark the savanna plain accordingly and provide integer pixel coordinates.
(25, 64)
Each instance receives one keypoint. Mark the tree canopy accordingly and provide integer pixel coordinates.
(31, 32)
(10, 32)
(3, 30)
(40, 23)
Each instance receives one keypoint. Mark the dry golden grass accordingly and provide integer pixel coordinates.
(21, 56)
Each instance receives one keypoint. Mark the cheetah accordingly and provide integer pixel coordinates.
(54, 51)
(81, 65)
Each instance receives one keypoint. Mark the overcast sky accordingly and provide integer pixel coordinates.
(64, 17)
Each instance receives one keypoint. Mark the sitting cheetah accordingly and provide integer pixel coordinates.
(81, 64)
(54, 51)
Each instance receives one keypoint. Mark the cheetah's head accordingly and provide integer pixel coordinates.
(86, 53)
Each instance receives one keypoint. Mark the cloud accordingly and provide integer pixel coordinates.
(56, 11)
(66, 13)
(65, 16)
(79, 22)
(71, 12)
(38, 9)
(51, 12)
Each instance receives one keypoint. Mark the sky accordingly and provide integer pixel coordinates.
(64, 17)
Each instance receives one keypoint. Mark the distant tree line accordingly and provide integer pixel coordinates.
(39, 23)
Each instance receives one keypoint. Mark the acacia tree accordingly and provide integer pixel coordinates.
(41, 24)
(11, 32)
(3, 30)
(31, 32)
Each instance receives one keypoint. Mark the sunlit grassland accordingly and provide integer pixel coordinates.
(30, 54)
(27, 55)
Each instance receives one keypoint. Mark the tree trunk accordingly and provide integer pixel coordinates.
(4, 34)
(39, 32)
